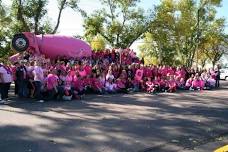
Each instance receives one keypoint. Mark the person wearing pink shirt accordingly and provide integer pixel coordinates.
(180, 83)
(172, 86)
(88, 69)
(97, 84)
(197, 83)
(163, 83)
(149, 85)
(67, 87)
(52, 85)
(121, 82)
(78, 87)
(157, 84)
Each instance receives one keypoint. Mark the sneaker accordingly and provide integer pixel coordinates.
(41, 101)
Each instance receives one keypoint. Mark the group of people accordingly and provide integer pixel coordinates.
(105, 72)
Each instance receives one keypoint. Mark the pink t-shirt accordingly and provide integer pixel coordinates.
(120, 84)
(88, 69)
(52, 81)
(68, 80)
(82, 73)
(198, 83)
(78, 84)
(139, 75)
(172, 83)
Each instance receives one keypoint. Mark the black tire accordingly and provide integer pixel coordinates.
(20, 43)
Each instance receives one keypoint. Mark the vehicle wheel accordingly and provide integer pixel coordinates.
(226, 78)
(20, 43)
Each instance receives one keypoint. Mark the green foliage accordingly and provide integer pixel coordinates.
(29, 16)
(98, 43)
(121, 25)
(181, 30)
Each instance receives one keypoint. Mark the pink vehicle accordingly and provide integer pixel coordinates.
(51, 46)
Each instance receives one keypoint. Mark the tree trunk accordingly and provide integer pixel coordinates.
(63, 2)
(20, 17)
(213, 63)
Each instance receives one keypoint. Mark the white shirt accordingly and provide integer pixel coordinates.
(5, 76)
(38, 73)
(111, 76)
(110, 86)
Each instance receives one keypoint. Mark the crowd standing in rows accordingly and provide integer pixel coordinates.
(106, 72)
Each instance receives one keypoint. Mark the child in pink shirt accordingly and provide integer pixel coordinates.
(79, 88)
(197, 83)
(149, 85)
(188, 83)
(181, 83)
(172, 84)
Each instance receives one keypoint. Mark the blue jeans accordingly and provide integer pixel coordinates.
(37, 93)
(22, 88)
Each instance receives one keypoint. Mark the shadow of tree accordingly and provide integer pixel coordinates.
(116, 123)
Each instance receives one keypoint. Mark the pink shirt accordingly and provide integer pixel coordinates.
(78, 84)
(172, 83)
(120, 84)
(82, 73)
(88, 69)
(68, 80)
(52, 81)
(139, 75)
(198, 83)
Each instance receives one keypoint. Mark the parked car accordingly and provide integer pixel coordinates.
(224, 74)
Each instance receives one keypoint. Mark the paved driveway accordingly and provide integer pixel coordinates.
(117, 123)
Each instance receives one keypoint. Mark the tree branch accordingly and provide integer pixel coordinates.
(62, 5)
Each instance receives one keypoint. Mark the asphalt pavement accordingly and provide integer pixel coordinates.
(186, 121)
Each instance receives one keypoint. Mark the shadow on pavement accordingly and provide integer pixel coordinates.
(116, 123)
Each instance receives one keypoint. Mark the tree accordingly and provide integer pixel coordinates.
(214, 41)
(120, 24)
(179, 29)
(29, 16)
(160, 42)
(5, 21)
(98, 43)
(62, 4)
